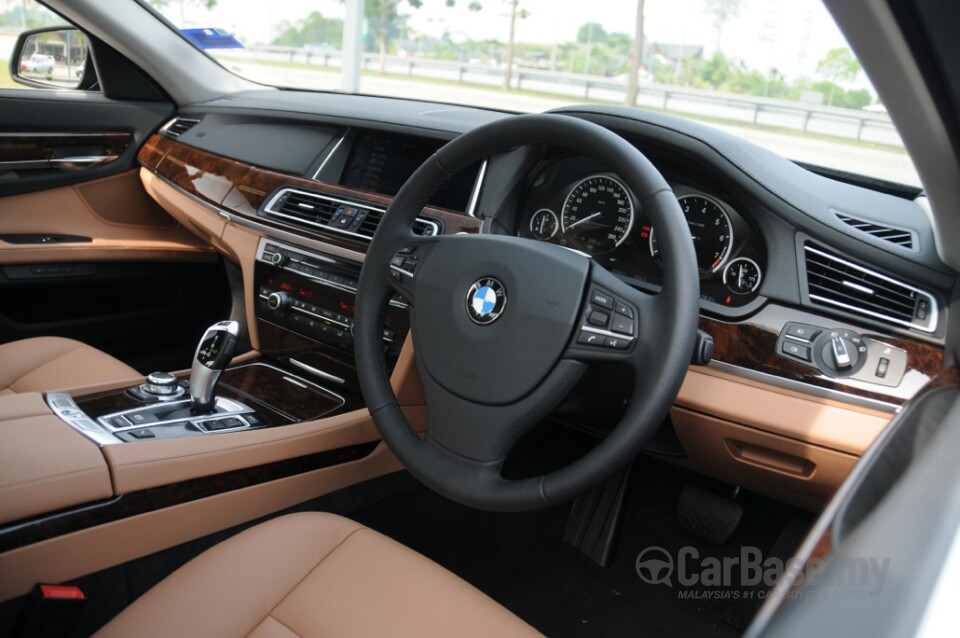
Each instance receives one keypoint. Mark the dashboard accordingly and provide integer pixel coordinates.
(821, 330)
(573, 202)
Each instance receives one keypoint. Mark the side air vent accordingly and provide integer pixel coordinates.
(332, 215)
(178, 126)
(896, 236)
(839, 283)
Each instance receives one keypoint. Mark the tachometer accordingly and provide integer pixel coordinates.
(597, 215)
(710, 229)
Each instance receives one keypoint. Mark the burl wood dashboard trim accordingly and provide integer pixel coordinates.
(241, 189)
(751, 345)
(41, 146)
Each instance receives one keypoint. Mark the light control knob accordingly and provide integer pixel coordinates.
(278, 301)
(842, 353)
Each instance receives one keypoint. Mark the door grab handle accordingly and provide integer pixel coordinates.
(81, 161)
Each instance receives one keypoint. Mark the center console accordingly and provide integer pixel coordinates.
(304, 312)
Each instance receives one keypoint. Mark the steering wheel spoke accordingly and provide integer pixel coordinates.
(611, 321)
(486, 434)
(407, 262)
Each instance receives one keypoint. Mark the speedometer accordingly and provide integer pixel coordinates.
(710, 229)
(597, 215)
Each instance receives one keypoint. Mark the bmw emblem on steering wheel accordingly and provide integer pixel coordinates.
(486, 300)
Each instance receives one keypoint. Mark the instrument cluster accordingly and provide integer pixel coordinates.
(571, 203)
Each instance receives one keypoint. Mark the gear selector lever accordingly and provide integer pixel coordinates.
(216, 349)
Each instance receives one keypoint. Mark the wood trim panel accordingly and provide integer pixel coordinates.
(242, 188)
(20, 147)
(752, 344)
(145, 501)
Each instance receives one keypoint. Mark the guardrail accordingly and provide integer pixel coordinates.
(809, 118)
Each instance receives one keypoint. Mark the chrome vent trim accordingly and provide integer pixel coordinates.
(178, 126)
(840, 283)
(315, 211)
(902, 237)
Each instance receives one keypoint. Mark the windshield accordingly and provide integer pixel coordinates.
(775, 72)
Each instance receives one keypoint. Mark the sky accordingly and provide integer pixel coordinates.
(789, 35)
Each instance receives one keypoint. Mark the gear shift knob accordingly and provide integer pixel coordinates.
(216, 349)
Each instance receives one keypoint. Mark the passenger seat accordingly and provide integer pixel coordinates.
(45, 364)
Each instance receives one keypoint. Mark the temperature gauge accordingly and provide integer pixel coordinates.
(742, 276)
(544, 224)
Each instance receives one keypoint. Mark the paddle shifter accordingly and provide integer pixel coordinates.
(216, 349)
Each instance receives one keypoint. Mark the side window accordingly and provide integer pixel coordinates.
(53, 54)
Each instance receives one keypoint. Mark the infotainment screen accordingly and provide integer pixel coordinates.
(381, 163)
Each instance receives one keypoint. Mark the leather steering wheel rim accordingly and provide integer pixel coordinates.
(488, 384)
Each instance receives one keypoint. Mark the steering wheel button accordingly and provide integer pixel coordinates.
(622, 325)
(616, 343)
(598, 318)
(590, 338)
(624, 309)
(601, 299)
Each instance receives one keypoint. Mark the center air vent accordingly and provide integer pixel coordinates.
(891, 234)
(334, 216)
(178, 126)
(840, 283)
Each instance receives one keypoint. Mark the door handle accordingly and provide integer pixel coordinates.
(81, 161)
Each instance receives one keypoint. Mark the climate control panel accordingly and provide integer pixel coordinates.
(845, 354)
(314, 294)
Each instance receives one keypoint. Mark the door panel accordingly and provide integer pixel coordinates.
(115, 214)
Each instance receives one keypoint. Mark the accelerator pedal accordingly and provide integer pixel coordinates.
(711, 516)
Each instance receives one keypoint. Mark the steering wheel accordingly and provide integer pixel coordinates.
(504, 327)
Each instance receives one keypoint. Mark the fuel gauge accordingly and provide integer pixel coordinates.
(544, 224)
(742, 276)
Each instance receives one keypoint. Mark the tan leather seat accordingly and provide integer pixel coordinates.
(45, 364)
(314, 574)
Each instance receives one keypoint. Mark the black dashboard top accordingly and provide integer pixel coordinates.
(768, 206)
